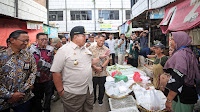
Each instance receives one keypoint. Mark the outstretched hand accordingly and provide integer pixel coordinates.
(107, 53)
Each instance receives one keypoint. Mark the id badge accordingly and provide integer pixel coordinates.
(26, 65)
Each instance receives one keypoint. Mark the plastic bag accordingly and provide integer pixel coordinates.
(116, 73)
(155, 102)
(136, 77)
(121, 77)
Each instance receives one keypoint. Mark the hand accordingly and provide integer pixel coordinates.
(107, 53)
(17, 96)
(122, 42)
(168, 106)
(98, 69)
(32, 87)
(61, 94)
(130, 56)
(88, 44)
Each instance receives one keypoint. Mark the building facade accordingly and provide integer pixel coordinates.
(95, 15)
(34, 10)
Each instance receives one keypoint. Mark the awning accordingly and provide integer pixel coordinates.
(181, 15)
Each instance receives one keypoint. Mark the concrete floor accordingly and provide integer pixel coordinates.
(58, 107)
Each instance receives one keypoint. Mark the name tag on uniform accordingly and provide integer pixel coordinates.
(27, 65)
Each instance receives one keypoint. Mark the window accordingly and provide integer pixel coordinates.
(81, 15)
(128, 14)
(133, 2)
(109, 14)
(55, 15)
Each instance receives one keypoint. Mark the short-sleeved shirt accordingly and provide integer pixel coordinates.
(163, 60)
(122, 49)
(145, 51)
(76, 78)
(98, 51)
(111, 44)
(17, 74)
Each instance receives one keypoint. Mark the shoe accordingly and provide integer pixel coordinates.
(100, 103)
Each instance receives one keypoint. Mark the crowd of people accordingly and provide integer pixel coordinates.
(74, 66)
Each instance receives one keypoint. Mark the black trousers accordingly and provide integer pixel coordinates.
(41, 89)
(99, 81)
(133, 62)
(113, 59)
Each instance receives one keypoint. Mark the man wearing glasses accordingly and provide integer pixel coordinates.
(18, 71)
(43, 54)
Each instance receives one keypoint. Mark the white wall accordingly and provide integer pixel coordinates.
(57, 5)
(7, 7)
(27, 9)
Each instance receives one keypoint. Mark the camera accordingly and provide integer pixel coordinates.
(123, 39)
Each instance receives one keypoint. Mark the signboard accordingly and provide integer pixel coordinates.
(52, 32)
(32, 25)
(181, 15)
(105, 26)
(157, 13)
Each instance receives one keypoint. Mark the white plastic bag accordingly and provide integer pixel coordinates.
(156, 103)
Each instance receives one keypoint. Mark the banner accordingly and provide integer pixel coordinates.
(52, 32)
(105, 26)
(181, 15)
(157, 13)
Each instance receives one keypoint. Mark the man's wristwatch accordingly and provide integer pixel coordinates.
(61, 91)
(101, 67)
(169, 101)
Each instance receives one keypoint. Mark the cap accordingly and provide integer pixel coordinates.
(159, 45)
(54, 41)
(77, 30)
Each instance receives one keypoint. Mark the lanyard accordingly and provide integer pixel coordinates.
(181, 47)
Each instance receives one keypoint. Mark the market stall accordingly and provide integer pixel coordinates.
(125, 80)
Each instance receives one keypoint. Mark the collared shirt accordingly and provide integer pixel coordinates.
(74, 64)
(18, 72)
(98, 51)
(122, 49)
(111, 44)
(45, 57)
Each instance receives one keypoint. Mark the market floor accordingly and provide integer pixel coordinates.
(58, 107)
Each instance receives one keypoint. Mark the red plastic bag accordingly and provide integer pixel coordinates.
(116, 72)
(136, 77)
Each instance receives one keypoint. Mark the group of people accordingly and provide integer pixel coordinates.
(74, 67)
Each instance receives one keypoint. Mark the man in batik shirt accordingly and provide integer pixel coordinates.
(17, 74)
(99, 69)
(43, 54)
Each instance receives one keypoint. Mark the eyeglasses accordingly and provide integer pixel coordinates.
(43, 39)
(27, 40)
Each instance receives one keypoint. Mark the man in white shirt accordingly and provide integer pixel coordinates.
(111, 44)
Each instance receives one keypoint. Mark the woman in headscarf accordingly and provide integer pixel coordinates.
(183, 68)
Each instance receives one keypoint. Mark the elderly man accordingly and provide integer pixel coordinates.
(72, 73)
(43, 54)
(56, 43)
(99, 69)
(18, 72)
(122, 49)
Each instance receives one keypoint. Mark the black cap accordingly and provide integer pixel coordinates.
(77, 30)
(159, 45)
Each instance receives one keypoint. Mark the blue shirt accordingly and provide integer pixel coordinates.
(143, 42)
(123, 47)
(145, 51)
